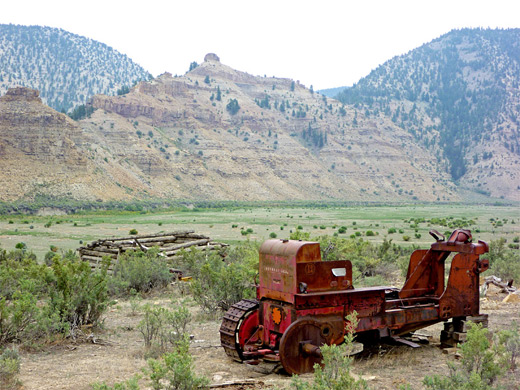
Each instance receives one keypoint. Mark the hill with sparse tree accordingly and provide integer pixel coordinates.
(458, 96)
(66, 69)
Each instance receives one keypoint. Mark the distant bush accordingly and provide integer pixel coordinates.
(481, 364)
(123, 90)
(503, 261)
(369, 233)
(9, 369)
(232, 107)
(80, 112)
(38, 301)
(133, 232)
(406, 238)
(300, 235)
(392, 230)
(175, 371)
(217, 283)
(163, 329)
(141, 271)
(272, 235)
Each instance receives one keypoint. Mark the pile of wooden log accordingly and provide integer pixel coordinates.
(170, 245)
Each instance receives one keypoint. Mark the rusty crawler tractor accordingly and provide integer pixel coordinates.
(302, 301)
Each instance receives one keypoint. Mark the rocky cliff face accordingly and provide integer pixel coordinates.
(37, 131)
(179, 138)
(43, 151)
(212, 134)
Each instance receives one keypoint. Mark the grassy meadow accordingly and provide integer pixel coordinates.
(373, 223)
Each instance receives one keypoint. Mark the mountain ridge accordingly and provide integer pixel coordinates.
(67, 69)
(173, 137)
(459, 95)
(217, 133)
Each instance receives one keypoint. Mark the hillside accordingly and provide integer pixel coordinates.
(221, 134)
(459, 97)
(218, 133)
(67, 69)
(44, 152)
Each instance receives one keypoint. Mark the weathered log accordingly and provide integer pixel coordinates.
(193, 235)
(104, 248)
(201, 248)
(506, 287)
(233, 383)
(145, 236)
(188, 244)
(96, 260)
(99, 254)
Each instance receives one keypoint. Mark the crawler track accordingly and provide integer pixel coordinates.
(231, 325)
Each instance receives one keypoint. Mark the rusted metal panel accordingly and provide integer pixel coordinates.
(277, 273)
(367, 302)
(321, 299)
(338, 311)
(324, 276)
(427, 276)
(478, 249)
(415, 259)
(396, 319)
(461, 297)
(301, 250)
(275, 317)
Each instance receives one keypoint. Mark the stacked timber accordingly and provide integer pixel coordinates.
(455, 331)
(170, 246)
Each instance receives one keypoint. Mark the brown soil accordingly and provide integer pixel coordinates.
(115, 353)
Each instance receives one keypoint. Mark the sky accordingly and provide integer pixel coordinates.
(323, 43)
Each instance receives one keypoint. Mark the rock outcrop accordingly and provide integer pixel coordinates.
(212, 134)
(284, 143)
(211, 57)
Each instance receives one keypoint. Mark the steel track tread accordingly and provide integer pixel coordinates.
(230, 324)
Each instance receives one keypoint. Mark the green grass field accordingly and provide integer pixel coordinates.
(71, 231)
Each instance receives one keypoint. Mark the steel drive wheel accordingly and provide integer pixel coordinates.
(299, 346)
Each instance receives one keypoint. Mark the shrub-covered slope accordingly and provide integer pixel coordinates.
(458, 95)
(66, 68)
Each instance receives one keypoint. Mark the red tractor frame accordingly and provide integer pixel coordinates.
(302, 301)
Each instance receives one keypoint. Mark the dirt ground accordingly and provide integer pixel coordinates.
(115, 353)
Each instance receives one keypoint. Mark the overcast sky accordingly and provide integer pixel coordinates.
(321, 43)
